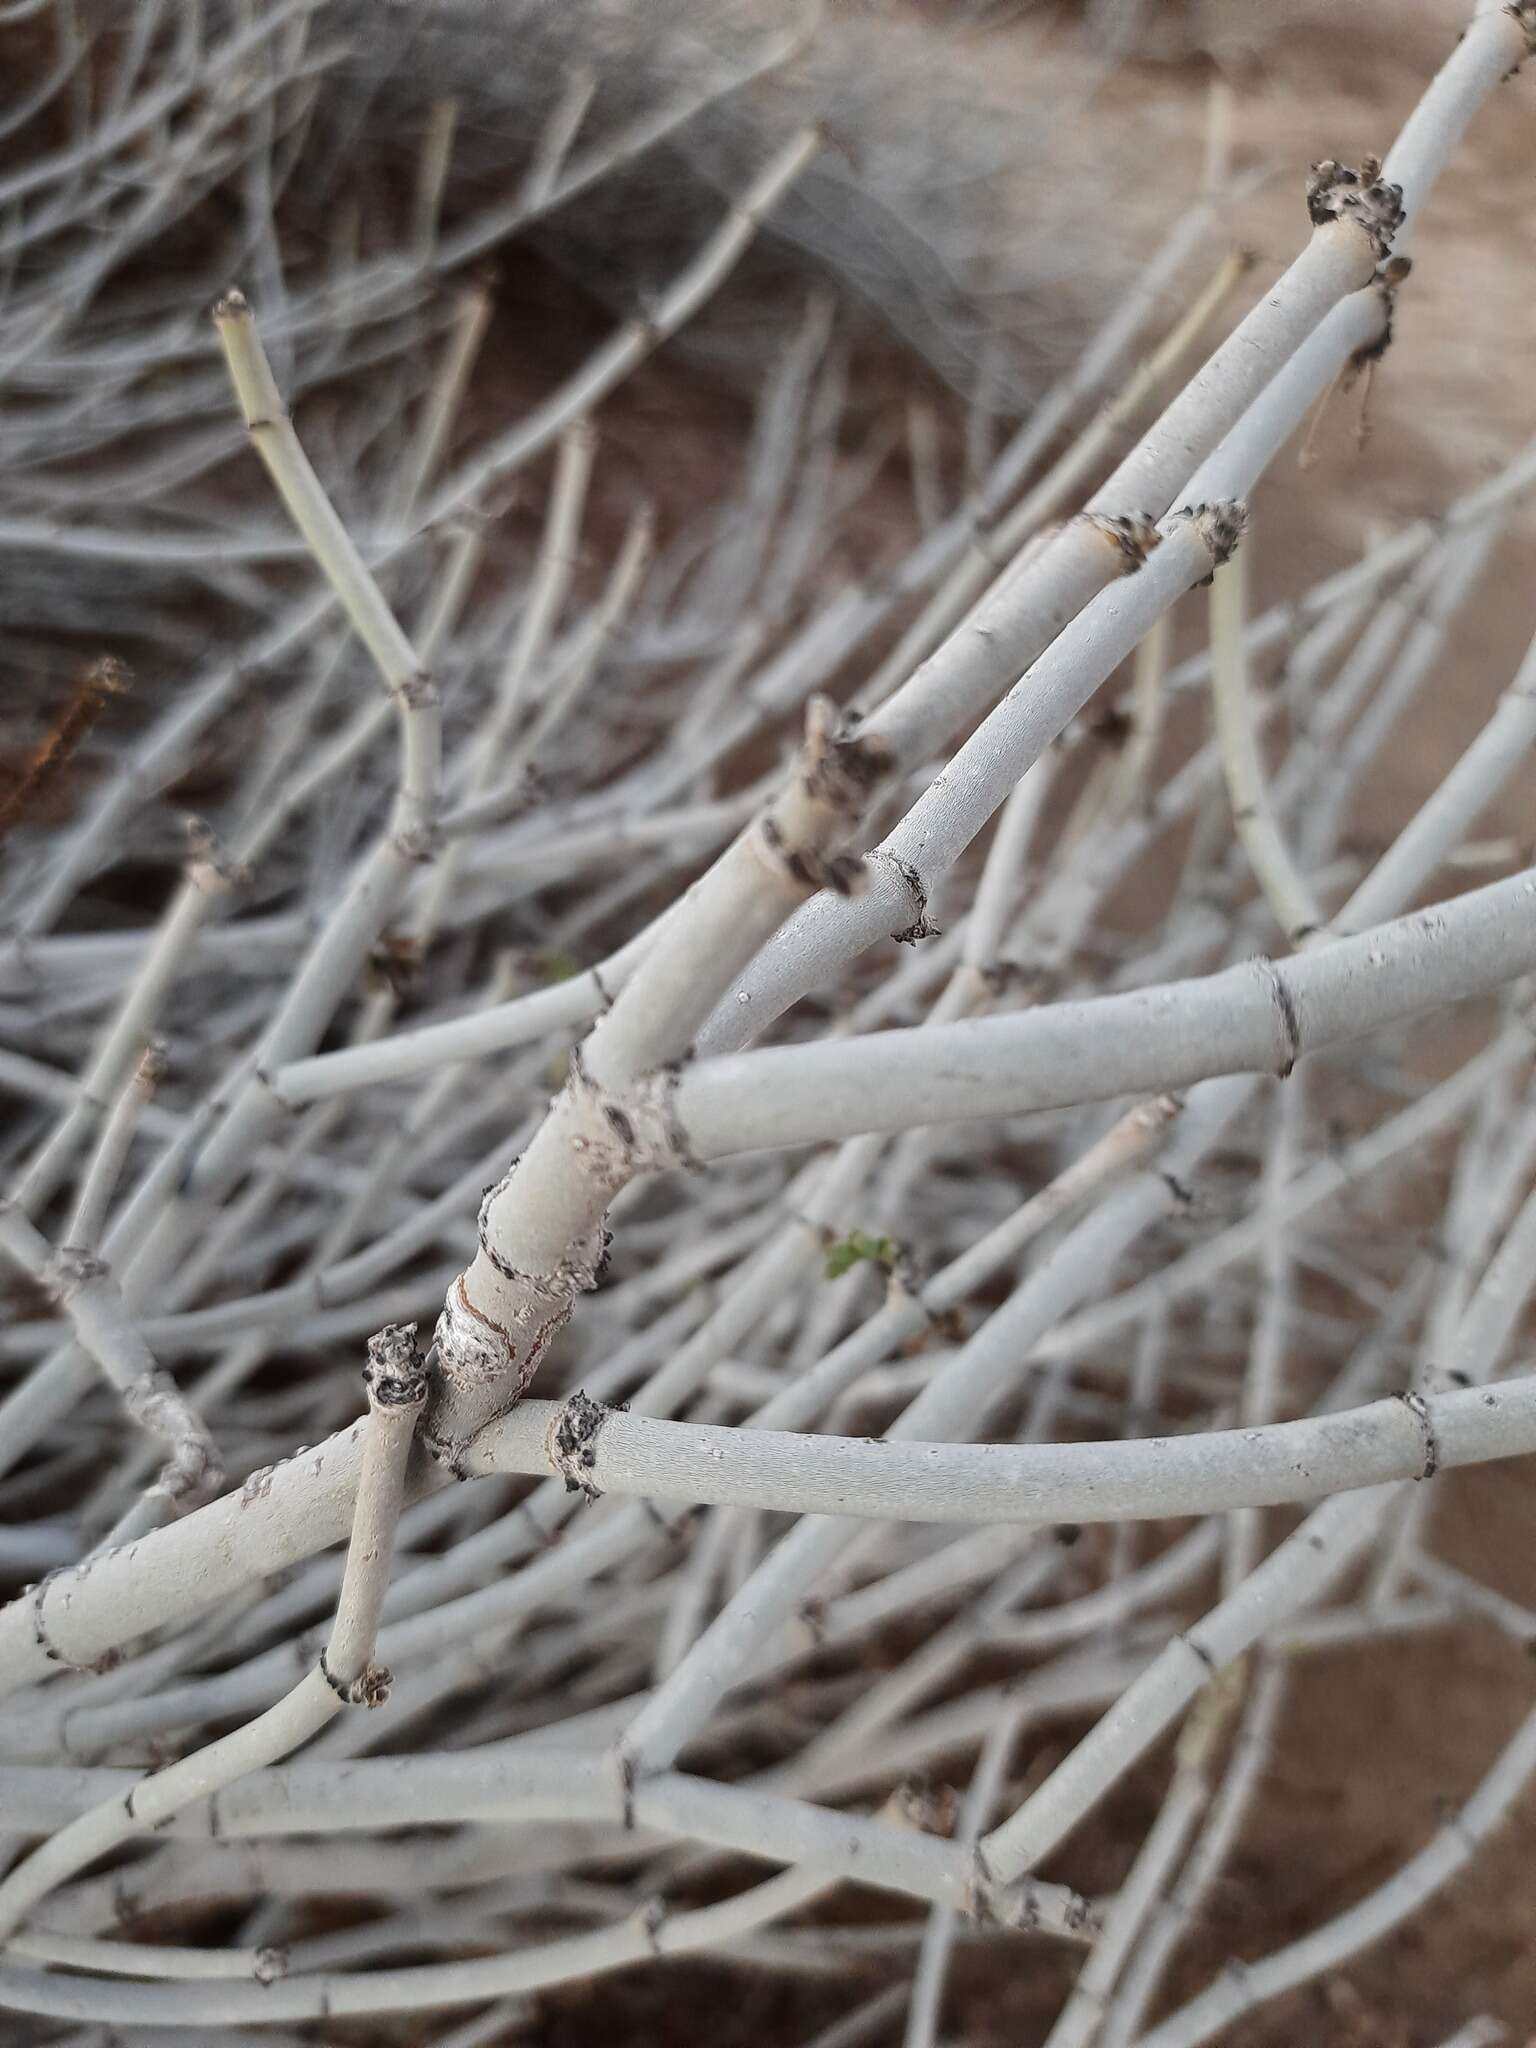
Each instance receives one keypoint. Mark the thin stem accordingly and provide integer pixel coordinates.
(1120, 1479)
(1258, 1018)
(1296, 909)
(1303, 1567)
(1244, 1986)
(98, 1183)
(273, 438)
(344, 1676)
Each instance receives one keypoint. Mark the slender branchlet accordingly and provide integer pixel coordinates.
(1285, 889)
(344, 1675)
(542, 1235)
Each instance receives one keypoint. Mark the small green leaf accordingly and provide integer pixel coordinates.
(857, 1248)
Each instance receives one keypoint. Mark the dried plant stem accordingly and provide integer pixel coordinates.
(1243, 1986)
(1439, 825)
(954, 1403)
(1177, 1912)
(275, 441)
(551, 585)
(1448, 1103)
(547, 596)
(541, 1226)
(243, 1539)
(1290, 1578)
(411, 834)
(170, 742)
(1263, 1380)
(1012, 628)
(1258, 1018)
(869, 1396)
(1145, 1884)
(939, 1935)
(1341, 769)
(1295, 907)
(345, 1674)
(634, 341)
(1146, 710)
(444, 398)
(1122, 1479)
(208, 877)
(1000, 538)
(956, 807)
(98, 1183)
(580, 999)
(432, 171)
(106, 1332)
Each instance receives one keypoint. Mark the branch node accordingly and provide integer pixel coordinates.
(194, 1471)
(912, 881)
(834, 774)
(1184, 1199)
(420, 843)
(212, 868)
(1418, 1408)
(1387, 280)
(628, 1769)
(652, 1915)
(577, 1273)
(35, 1597)
(839, 766)
(1197, 1649)
(1220, 526)
(396, 1374)
(628, 1133)
(805, 866)
(1338, 191)
(572, 1442)
(370, 1688)
(419, 692)
(1133, 536)
(1285, 1006)
(72, 1267)
(469, 1349)
(1018, 1904)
